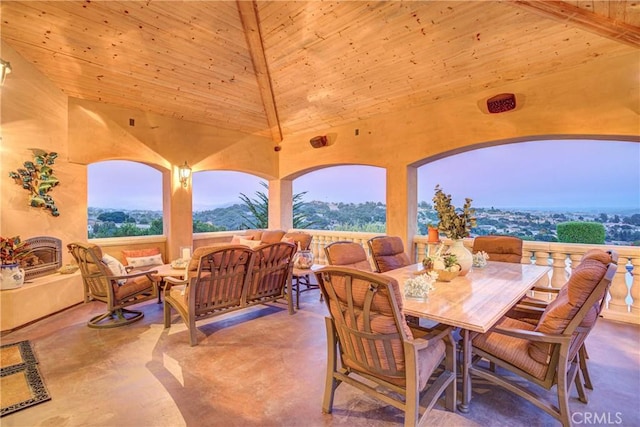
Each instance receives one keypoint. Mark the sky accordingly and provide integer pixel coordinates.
(576, 175)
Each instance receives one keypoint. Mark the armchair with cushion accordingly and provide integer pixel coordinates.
(368, 336)
(531, 309)
(546, 353)
(106, 280)
(347, 254)
(388, 253)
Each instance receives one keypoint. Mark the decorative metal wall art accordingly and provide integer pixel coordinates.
(38, 179)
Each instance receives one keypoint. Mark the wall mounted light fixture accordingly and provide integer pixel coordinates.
(5, 68)
(184, 172)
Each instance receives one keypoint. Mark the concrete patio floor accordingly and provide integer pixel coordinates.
(263, 367)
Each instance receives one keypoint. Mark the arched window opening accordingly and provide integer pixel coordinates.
(222, 201)
(124, 198)
(527, 189)
(347, 198)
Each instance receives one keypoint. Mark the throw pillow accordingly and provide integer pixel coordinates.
(145, 261)
(235, 240)
(251, 243)
(115, 266)
(137, 253)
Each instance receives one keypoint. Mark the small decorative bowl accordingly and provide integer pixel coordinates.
(446, 275)
(68, 269)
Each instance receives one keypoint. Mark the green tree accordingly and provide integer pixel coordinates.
(259, 210)
(205, 227)
(156, 228)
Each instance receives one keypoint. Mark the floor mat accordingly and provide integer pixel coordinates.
(21, 384)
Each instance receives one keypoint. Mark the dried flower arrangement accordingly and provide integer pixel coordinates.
(12, 250)
(452, 224)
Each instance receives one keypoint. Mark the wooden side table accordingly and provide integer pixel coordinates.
(302, 276)
(167, 270)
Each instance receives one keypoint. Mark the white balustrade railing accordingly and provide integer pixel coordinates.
(623, 303)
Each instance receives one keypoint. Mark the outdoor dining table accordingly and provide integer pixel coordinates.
(473, 303)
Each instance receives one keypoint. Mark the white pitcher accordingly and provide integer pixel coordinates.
(12, 276)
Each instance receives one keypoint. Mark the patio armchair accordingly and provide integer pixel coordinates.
(546, 354)
(530, 309)
(499, 248)
(388, 253)
(114, 287)
(366, 330)
(347, 254)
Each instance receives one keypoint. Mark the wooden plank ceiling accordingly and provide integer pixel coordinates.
(279, 68)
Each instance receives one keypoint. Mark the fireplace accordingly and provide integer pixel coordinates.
(45, 257)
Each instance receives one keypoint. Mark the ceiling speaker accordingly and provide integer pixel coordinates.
(319, 141)
(501, 103)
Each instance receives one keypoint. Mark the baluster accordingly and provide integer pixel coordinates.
(542, 258)
(559, 276)
(635, 287)
(617, 304)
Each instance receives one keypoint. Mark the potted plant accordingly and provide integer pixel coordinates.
(12, 250)
(455, 225)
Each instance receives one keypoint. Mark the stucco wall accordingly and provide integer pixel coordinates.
(34, 115)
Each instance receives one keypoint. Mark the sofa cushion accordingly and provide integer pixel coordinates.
(271, 236)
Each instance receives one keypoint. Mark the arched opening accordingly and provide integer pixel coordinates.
(124, 198)
(525, 189)
(218, 203)
(346, 197)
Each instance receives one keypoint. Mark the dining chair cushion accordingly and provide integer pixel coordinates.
(511, 349)
(388, 252)
(350, 255)
(571, 297)
(597, 254)
(499, 248)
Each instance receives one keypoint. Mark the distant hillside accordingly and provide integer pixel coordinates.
(371, 217)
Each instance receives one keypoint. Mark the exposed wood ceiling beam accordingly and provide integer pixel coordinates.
(249, 17)
(589, 21)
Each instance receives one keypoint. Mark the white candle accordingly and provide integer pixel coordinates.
(186, 253)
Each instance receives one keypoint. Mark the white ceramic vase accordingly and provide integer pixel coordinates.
(463, 255)
(12, 276)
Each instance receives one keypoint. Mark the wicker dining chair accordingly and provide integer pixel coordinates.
(366, 330)
(388, 253)
(347, 254)
(116, 290)
(546, 354)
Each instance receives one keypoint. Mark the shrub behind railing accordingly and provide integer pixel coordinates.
(592, 233)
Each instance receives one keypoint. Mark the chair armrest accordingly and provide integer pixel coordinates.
(171, 281)
(545, 290)
(139, 274)
(532, 335)
(128, 268)
(429, 335)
